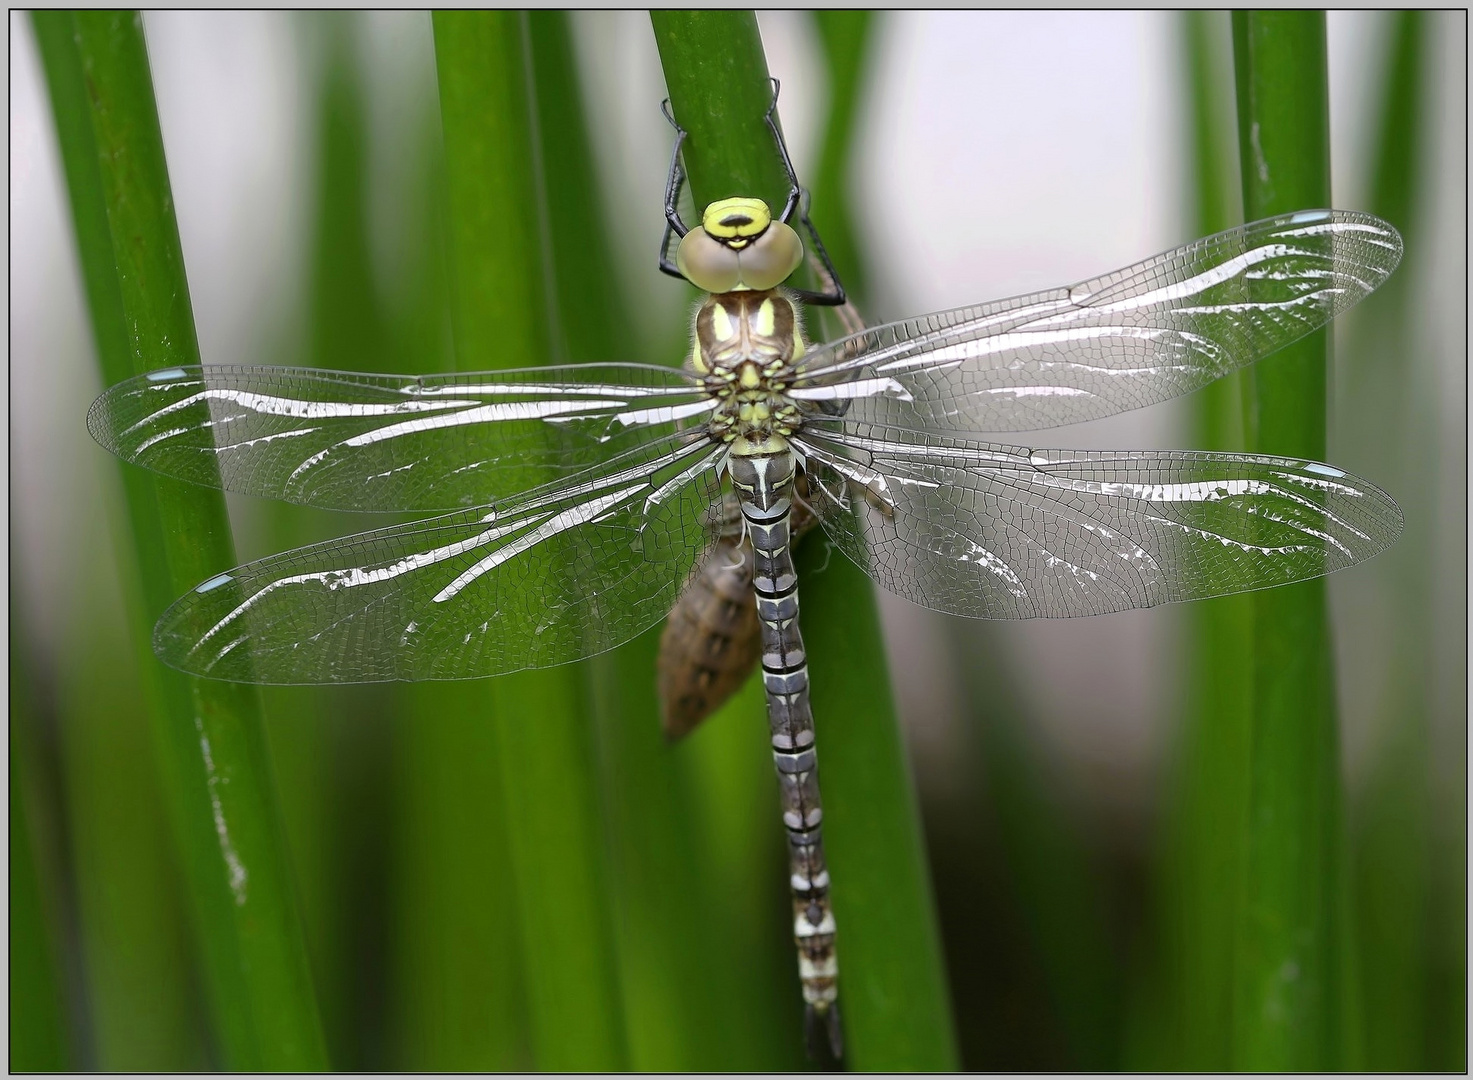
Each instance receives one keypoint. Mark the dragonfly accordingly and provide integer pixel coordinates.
(571, 505)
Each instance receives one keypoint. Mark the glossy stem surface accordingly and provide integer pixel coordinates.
(1293, 985)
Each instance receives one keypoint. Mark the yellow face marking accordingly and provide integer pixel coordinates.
(751, 377)
(736, 221)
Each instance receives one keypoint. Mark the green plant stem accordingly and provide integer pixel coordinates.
(502, 310)
(892, 981)
(1062, 898)
(1292, 981)
(716, 73)
(35, 1014)
(846, 37)
(130, 901)
(311, 751)
(650, 839)
(1413, 829)
(209, 734)
(1387, 401)
(676, 1008)
(748, 948)
(457, 988)
(457, 997)
(330, 745)
(1202, 856)
(38, 1037)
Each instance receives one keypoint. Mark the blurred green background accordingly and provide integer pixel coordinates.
(1087, 790)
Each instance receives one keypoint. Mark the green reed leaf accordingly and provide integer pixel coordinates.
(1201, 868)
(1293, 983)
(503, 313)
(38, 1036)
(1388, 414)
(892, 984)
(208, 735)
(683, 1000)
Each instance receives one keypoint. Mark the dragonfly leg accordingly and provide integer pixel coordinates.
(795, 191)
(832, 294)
(674, 226)
(677, 176)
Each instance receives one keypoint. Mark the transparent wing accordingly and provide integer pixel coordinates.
(371, 442)
(999, 532)
(1140, 335)
(548, 577)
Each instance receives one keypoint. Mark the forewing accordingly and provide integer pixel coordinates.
(1140, 335)
(371, 442)
(1004, 533)
(552, 576)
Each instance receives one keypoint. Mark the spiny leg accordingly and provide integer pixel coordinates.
(832, 293)
(673, 183)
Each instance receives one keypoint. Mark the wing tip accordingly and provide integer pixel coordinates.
(103, 415)
(1390, 238)
(1391, 517)
(98, 421)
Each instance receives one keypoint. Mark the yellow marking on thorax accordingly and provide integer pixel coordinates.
(752, 340)
(721, 323)
(766, 318)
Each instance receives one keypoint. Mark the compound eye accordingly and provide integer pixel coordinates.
(773, 256)
(706, 263)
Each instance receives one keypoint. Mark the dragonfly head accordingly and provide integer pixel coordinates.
(738, 246)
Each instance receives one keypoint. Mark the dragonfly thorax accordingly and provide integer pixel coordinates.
(747, 346)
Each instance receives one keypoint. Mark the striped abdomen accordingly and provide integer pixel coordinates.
(764, 485)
